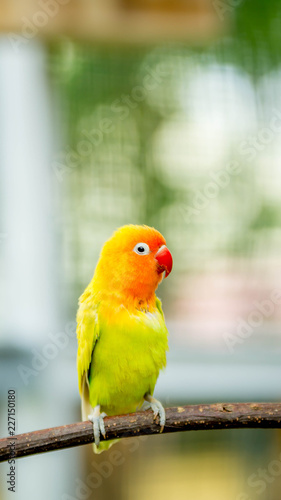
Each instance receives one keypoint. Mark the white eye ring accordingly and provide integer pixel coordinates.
(142, 249)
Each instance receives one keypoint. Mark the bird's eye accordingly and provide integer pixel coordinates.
(142, 249)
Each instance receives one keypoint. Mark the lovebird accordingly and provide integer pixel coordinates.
(121, 330)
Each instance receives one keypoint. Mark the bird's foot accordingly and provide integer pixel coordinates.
(157, 409)
(98, 424)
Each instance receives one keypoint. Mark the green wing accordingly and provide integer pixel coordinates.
(87, 335)
(159, 307)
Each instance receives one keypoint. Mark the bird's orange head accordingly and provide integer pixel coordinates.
(132, 263)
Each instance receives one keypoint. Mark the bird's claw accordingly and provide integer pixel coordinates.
(98, 426)
(158, 411)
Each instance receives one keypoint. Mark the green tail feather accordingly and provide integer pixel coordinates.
(104, 445)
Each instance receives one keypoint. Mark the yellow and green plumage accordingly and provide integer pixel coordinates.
(122, 336)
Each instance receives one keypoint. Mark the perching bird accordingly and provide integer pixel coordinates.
(121, 331)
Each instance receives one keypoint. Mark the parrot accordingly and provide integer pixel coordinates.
(121, 331)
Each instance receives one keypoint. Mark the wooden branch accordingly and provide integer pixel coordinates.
(186, 418)
(108, 22)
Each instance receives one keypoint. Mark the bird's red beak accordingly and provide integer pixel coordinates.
(165, 260)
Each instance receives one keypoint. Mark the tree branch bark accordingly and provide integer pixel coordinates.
(185, 418)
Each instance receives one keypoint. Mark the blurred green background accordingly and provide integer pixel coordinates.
(184, 136)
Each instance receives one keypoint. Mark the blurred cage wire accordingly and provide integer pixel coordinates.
(126, 153)
(160, 157)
